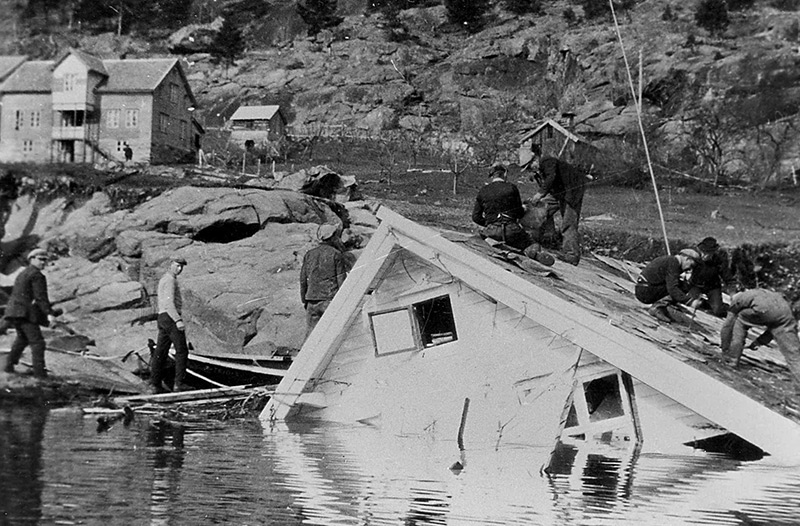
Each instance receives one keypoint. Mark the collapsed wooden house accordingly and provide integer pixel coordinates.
(441, 335)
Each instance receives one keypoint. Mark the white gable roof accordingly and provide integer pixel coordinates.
(251, 113)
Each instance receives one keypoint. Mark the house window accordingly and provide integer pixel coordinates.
(70, 81)
(131, 118)
(120, 145)
(27, 146)
(19, 120)
(163, 122)
(36, 119)
(600, 408)
(424, 324)
(184, 131)
(112, 118)
(174, 93)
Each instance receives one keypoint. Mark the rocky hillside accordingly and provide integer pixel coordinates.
(721, 107)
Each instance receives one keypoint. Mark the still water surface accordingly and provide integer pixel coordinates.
(56, 468)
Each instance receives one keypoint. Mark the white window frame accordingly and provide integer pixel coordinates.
(404, 338)
(132, 118)
(36, 119)
(112, 118)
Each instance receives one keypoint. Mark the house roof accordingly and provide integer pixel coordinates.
(591, 305)
(91, 62)
(550, 122)
(8, 63)
(35, 76)
(250, 113)
(136, 75)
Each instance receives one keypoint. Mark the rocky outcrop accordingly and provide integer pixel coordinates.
(240, 288)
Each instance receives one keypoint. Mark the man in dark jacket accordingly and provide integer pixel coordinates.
(498, 209)
(659, 284)
(324, 269)
(764, 308)
(711, 272)
(566, 184)
(29, 308)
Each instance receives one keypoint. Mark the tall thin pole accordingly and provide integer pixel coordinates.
(638, 101)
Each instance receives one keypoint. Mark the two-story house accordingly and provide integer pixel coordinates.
(81, 108)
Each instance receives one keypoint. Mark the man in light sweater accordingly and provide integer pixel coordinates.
(171, 330)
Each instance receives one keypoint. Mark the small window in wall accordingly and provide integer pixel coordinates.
(19, 119)
(120, 145)
(112, 118)
(36, 119)
(424, 324)
(436, 322)
(27, 146)
(393, 332)
(163, 122)
(131, 118)
(602, 400)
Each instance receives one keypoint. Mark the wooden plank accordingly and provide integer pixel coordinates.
(184, 396)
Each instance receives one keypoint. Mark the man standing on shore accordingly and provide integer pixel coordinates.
(29, 308)
(324, 269)
(171, 330)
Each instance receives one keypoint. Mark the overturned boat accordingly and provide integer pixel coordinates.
(441, 335)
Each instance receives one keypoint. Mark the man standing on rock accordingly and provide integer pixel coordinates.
(762, 308)
(171, 330)
(565, 184)
(29, 308)
(323, 271)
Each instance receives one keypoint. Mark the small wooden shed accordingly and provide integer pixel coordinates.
(257, 125)
(552, 138)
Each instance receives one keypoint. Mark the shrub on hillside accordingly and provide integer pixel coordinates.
(467, 13)
(712, 15)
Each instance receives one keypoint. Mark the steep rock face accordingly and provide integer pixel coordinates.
(359, 76)
(240, 288)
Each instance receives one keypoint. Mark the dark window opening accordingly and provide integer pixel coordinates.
(249, 144)
(731, 445)
(436, 322)
(603, 398)
(572, 417)
(226, 232)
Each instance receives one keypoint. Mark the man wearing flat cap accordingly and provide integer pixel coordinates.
(323, 271)
(659, 283)
(498, 209)
(711, 272)
(29, 308)
(171, 330)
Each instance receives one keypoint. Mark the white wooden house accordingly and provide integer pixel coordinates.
(80, 108)
(441, 335)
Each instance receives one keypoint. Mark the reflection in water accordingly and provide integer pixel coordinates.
(21, 431)
(165, 442)
(56, 469)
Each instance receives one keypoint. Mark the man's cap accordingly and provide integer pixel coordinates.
(326, 231)
(709, 244)
(37, 253)
(690, 253)
(498, 169)
(179, 259)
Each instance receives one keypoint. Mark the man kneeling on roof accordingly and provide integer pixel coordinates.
(762, 308)
(659, 284)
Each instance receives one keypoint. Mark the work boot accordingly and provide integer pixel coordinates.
(660, 313)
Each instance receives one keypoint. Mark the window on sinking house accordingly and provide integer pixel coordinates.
(421, 325)
(602, 400)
